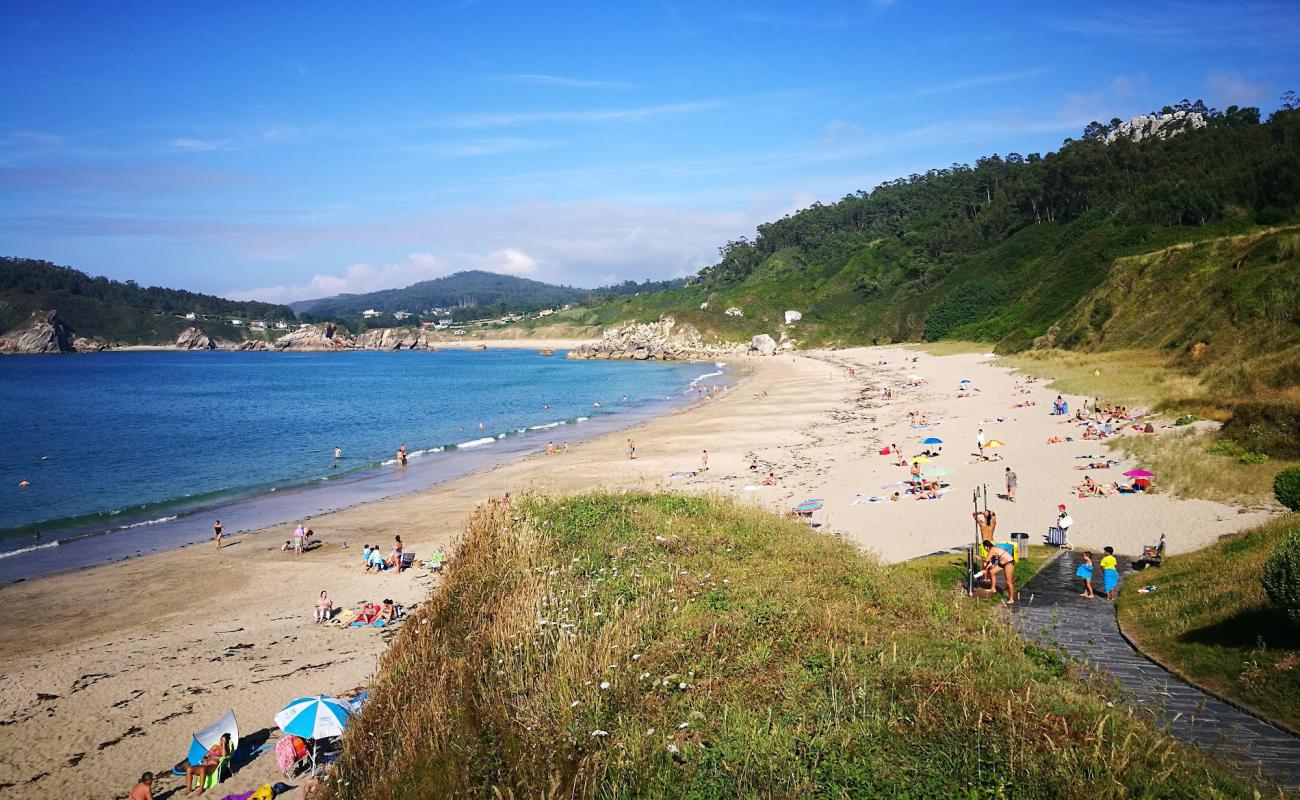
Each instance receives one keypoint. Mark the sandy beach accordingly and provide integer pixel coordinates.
(107, 671)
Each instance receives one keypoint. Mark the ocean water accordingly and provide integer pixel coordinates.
(128, 452)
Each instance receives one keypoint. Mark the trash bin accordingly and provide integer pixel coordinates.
(1021, 540)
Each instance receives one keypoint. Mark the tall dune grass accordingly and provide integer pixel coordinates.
(652, 645)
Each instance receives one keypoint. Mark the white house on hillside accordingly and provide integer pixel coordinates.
(370, 313)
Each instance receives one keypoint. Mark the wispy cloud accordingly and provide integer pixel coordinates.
(466, 148)
(1229, 88)
(510, 119)
(962, 84)
(199, 145)
(535, 79)
(1187, 24)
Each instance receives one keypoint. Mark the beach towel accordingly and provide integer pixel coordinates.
(1084, 571)
(690, 474)
(1110, 580)
(342, 614)
(286, 752)
(863, 499)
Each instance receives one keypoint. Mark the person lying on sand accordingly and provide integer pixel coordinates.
(388, 611)
(368, 614)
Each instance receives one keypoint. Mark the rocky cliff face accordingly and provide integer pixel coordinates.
(395, 339)
(317, 336)
(195, 339)
(664, 340)
(83, 345)
(44, 332)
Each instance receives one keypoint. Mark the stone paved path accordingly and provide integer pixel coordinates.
(1050, 610)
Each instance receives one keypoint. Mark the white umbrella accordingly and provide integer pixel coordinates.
(316, 717)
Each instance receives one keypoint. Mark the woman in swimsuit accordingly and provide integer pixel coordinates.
(324, 607)
(1000, 560)
(208, 765)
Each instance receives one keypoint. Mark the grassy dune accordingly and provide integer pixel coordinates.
(1211, 620)
(664, 646)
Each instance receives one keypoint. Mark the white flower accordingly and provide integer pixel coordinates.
(599, 732)
(604, 685)
(599, 614)
(672, 748)
(644, 675)
(683, 726)
(636, 656)
(575, 704)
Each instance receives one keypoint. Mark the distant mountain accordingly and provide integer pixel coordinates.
(115, 311)
(470, 289)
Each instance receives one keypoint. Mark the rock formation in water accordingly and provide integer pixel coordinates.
(664, 340)
(195, 339)
(43, 332)
(406, 338)
(316, 336)
(84, 345)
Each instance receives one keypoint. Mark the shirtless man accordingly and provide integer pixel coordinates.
(143, 790)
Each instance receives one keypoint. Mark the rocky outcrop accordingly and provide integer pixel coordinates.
(1157, 126)
(661, 341)
(84, 345)
(396, 339)
(195, 339)
(316, 336)
(253, 345)
(763, 345)
(792, 317)
(43, 332)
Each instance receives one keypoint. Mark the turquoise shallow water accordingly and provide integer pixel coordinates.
(121, 447)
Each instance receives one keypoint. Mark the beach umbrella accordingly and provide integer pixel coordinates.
(315, 717)
(1139, 473)
(932, 440)
(921, 459)
(808, 506)
(995, 443)
(965, 380)
(937, 472)
(202, 740)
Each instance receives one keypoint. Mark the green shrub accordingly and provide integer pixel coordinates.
(1286, 488)
(1281, 578)
(1186, 419)
(1253, 458)
(1225, 447)
(1270, 425)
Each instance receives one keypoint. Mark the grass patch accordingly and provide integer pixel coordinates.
(655, 645)
(1133, 378)
(1211, 620)
(950, 348)
(1193, 462)
(947, 571)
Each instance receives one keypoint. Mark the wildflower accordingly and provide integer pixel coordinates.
(604, 685)
(599, 733)
(636, 656)
(644, 675)
(683, 726)
(575, 704)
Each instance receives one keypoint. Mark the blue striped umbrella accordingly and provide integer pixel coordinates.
(317, 717)
(932, 440)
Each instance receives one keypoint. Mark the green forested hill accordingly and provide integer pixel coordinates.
(115, 311)
(472, 287)
(1004, 250)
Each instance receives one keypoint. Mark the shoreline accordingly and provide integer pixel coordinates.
(166, 527)
(454, 343)
(130, 657)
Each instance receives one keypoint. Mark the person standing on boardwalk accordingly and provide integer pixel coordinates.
(1084, 573)
(1012, 482)
(1109, 573)
(217, 530)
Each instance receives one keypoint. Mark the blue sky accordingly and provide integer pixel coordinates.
(290, 150)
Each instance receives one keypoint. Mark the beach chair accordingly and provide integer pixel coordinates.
(408, 560)
(435, 563)
(1153, 555)
(215, 776)
(1056, 537)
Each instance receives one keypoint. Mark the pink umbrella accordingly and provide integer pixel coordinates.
(1139, 473)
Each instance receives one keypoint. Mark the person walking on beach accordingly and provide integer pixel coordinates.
(631, 449)
(979, 442)
(401, 456)
(216, 533)
(1011, 485)
(704, 461)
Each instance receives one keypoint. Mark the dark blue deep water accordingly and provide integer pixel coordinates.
(114, 440)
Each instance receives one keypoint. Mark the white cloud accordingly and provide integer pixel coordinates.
(1229, 88)
(362, 278)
